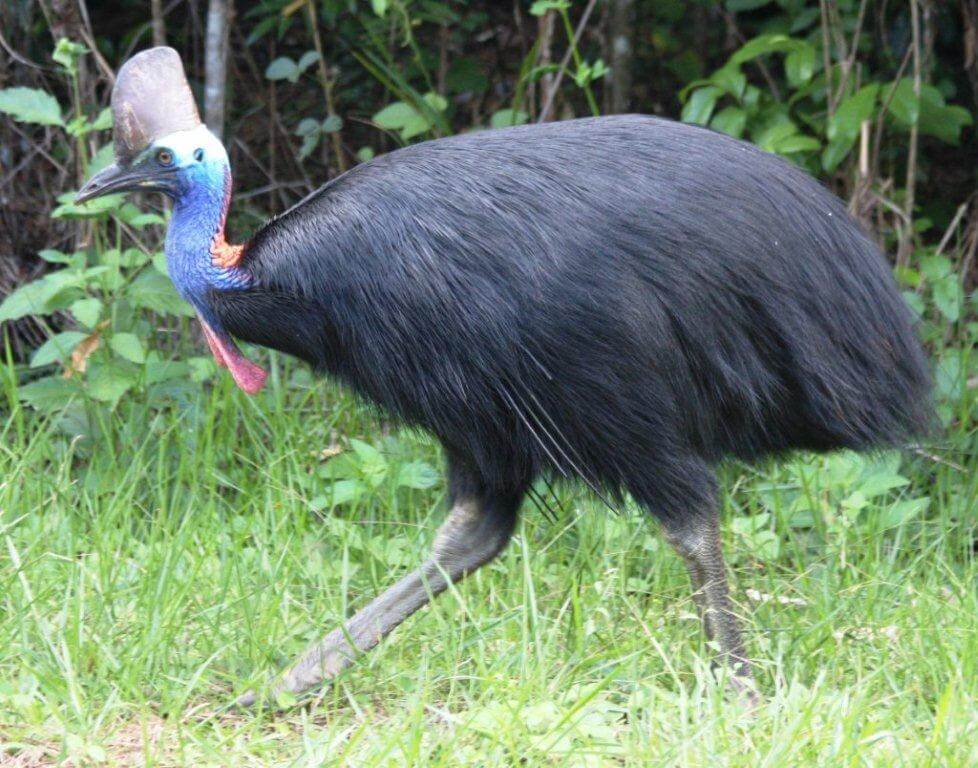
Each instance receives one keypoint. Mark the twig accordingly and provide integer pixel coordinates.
(772, 84)
(552, 93)
(20, 59)
(276, 118)
(850, 60)
(937, 459)
(827, 59)
(86, 32)
(885, 105)
(327, 85)
(950, 229)
(906, 242)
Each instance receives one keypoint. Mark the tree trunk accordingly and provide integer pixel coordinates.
(216, 64)
(620, 24)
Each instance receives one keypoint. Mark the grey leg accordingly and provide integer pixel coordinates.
(476, 530)
(697, 540)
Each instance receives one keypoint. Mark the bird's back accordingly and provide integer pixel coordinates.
(609, 281)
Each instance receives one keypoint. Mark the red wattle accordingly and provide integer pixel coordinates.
(249, 376)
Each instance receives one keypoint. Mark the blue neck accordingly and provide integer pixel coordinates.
(199, 210)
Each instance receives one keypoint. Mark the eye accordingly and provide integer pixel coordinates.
(199, 155)
(164, 157)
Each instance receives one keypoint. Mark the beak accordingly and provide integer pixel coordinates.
(114, 178)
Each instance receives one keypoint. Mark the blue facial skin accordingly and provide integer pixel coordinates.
(201, 186)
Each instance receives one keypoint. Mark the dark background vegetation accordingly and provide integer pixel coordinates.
(315, 86)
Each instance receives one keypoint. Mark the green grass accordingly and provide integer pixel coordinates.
(153, 570)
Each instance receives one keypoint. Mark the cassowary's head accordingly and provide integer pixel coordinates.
(161, 146)
(160, 143)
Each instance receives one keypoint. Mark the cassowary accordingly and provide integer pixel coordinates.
(623, 300)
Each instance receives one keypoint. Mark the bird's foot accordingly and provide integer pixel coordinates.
(742, 687)
(316, 667)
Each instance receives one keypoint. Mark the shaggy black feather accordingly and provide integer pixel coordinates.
(626, 300)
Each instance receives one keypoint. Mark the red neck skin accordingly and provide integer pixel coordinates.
(223, 253)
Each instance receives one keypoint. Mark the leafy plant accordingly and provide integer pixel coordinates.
(366, 470)
(410, 121)
(111, 297)
(798, 123)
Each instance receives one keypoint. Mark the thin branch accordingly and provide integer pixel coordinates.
(906, 242)
(552, 93)
(327, 85)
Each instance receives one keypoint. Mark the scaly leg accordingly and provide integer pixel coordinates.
(697, 540)
(476, 530)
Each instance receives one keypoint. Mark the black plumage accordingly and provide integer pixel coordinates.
(624, 299)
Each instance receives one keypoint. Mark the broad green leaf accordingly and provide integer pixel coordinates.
(309, 143)
(394, 116)
(128, 346)
(373, 464)
(102, 158)
(731, 80)
(90, 209)
(109, 381)
(436, 101)
(834, 153)
(56, 257)
(201, 368)
(415, 126)
(151, 290)
(282, 68)
(36, 297)
(48, 394)
(764, 44)
(799, 65)
(158, 370)
(102, 121)
(307, 60)
(540, 7)
(730, 120)
(935, 266)
(87, 311)
(417, 474)
(31, 105)
(778, 130)
(903, 511)
(57, 348)
(506, 117)
(880, 482)
(66, 53)
(306, 126)
(843, 128)
(789, 145)
(346, 491)
(141, 220)
(949, 297)
(932, 116)
(159, 264)
(332, 124)
(851, 113)
(904, 105)
(700, 106)
(379, 7)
